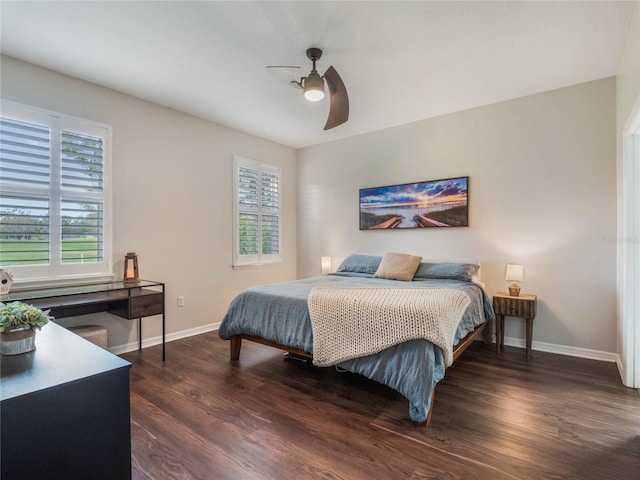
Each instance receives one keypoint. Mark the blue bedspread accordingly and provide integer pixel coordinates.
(279, 313)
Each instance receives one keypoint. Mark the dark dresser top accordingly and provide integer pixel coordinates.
(60, 357)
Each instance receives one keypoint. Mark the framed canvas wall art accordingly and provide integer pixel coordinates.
(430, 204)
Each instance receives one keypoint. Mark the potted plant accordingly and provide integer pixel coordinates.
(18, 324)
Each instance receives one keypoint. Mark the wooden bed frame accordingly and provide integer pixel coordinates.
(485, 329)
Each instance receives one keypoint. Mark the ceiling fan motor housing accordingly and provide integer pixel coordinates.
(314, 54)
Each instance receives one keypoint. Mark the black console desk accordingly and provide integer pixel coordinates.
(64, 411)
(142, 299)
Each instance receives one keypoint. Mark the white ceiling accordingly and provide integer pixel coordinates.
(400, 61)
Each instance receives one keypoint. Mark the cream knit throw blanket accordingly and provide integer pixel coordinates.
(356, 322)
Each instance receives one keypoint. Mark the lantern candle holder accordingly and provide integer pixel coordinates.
(130, 276)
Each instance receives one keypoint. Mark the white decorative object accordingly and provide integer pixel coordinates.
(515, 274)
(6, 279)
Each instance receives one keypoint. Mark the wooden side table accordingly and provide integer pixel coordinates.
(523, 306)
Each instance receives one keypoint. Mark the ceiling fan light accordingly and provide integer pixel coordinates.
(314, 87)
(314, 95)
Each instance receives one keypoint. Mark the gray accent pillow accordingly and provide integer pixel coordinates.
(398, 266)
(360, 264)
(449, 271)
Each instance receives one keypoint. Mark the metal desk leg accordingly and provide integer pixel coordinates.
(139, 333)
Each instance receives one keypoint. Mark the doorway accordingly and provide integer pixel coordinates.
(629, 250)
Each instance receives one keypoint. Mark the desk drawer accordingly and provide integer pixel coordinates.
(146, 304)
(141, 303)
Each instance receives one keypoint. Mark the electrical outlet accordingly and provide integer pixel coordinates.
(181, 301)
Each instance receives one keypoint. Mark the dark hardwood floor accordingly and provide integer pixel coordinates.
(200, 416)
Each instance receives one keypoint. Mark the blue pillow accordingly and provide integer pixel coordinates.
(360, 264)
(449, 271)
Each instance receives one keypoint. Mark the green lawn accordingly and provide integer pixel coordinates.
(35, 251)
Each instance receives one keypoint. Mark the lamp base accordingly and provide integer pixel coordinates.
(514, 289)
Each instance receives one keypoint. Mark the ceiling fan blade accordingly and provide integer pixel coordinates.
(339, 103)
(286, 74)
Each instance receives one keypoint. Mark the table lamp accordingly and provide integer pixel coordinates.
(515, 274)
(326, 265)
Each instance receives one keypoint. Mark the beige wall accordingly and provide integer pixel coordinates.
(172, 196)
(542, 194)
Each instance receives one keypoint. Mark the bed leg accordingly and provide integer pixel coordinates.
(234, 347)
(487, 334)
(433, 397)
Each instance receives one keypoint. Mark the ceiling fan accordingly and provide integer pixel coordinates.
(313, 86)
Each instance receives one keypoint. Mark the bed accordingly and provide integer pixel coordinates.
(278, 315)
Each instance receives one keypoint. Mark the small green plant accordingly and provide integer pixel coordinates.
(18, 314)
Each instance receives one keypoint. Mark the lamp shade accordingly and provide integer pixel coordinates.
(515, 273)
(326, 265)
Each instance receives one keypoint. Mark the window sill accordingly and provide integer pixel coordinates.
(256, 265)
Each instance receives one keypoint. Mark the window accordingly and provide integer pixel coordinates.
(256, 213)
(54, 195)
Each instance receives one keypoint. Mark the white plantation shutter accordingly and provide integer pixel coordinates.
(82, 162)
(82, 205)
(91, 226)
(54, 200)
(248, 211)
(24, 196)
(256, 213)
(270, 217)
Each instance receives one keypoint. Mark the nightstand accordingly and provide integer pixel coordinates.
(523, 306)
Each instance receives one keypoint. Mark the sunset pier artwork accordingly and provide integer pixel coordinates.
(437, 203)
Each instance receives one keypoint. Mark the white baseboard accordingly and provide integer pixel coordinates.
(150, 342)
(564, 350)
